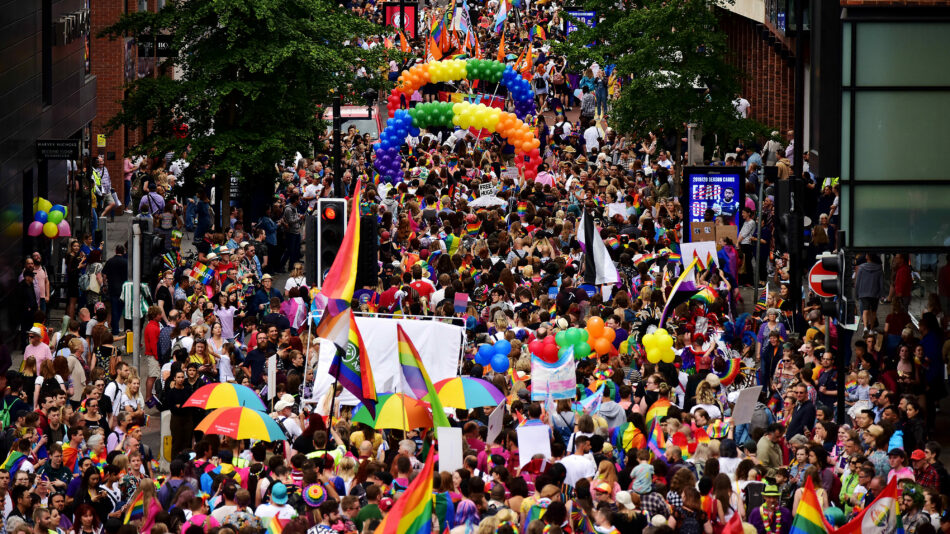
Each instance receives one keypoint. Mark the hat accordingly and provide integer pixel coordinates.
(524, 394)
(771, 490)
(917, 455)
(897, 452)
(278, 495)
(243, 244)
(603, 487)
(286, 401)
(211, 257)
(623, 499)
(183, 324)
(99, 306)
(561, 323)
(713, 380)
(314, 495)
(581, 160)
(386, 503)
(266, 277)
(35, 331)
(570, 150)
(384, 236)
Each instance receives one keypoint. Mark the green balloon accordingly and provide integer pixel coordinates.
(561, 339)
(581, 350)
(584, 335)
(55, 217)
(573, 336)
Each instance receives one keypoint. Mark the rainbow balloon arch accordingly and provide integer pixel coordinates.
(405, 122)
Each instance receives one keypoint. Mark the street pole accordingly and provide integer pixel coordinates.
(795, 257)
(758, 240)
(337, 151)
(136, 293)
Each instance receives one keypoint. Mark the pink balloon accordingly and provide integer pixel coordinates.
(35, 229)
(64, 230)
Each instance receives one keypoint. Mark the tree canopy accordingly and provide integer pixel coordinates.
(672, 58)
(252, 77)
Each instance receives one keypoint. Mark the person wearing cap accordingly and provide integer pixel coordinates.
(771, 516)
(264, 294)
(925, 473)
(286, 418)
(36, 348)
(897, 459)
(602, 493)
(277, 505)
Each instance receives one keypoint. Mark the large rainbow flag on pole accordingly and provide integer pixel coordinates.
(412, 512)
(808, 517)
(415, 379)
(338, 286)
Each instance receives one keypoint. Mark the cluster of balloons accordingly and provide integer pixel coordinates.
(464, 115)
(659, 346)
(546, 349)
(576, 338)
(49, 220)
(600, 336)
(456, 69)
(494, 355)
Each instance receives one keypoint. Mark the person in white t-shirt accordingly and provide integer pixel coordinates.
(580, 464)
(277, 507)
(285, 416)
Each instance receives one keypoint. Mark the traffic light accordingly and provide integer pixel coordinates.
(331, 227)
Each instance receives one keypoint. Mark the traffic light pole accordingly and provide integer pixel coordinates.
(337, 150)
(136, 293)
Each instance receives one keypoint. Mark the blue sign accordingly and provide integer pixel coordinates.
(715, 188)
(587, 17)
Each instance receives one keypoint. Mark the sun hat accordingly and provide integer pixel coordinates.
(771, 490)
(278, 495)
(314, 495)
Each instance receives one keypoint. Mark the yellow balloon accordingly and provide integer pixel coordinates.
(50, 230)
(661, 332)
(41, 204)
(457, 108)
(668, 355)
(653, 357)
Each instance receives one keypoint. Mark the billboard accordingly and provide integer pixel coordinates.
(393, 13)
(587, 17)
(715, 188)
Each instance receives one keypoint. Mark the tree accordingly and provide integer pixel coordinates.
(254, 77)
(671, 56)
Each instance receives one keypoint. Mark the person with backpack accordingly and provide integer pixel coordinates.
(175, 481)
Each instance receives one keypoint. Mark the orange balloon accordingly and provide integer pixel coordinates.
(601, 346)
(609, 334)
(526, 146)
(535, 144)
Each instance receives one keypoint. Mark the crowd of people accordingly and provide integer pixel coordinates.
(231, 294)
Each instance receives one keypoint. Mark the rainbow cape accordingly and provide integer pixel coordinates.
(657, 411)
(522, 208)
(416, 383)
(136, 509)
(808, 517)
(452, 244)
(350, 364)
(473, 228)
(412, 512)
(13, 461)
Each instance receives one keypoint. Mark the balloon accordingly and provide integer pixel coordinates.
(653, 357)
(54, 217)
(835, 516)
(502, 347)
(595, 326)
(58, 207)
(662, 332)
(549, 354)
(50, 230)
(665, 343)
(581, 351)
(499, 363)
(41, 204)
(667, 355)
(609, 334)
(561, 338)
(601, 346)
(35, 229)
(649, 342)
(535, 346)
(484, 354)
(573, 336)
(41, 217)
(63, 228)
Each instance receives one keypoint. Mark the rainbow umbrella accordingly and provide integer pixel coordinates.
(241, 423)
(397, 411)
(222, 395)
(467, 393)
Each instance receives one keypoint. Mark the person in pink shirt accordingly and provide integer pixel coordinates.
(36, 348)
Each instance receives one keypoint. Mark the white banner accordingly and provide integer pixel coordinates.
(439, 346)
(704, 250)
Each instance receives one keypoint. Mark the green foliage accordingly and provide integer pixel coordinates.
(252, 78)
(672, 57)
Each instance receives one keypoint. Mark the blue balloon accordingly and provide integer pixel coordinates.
(58, 207)
(499, 363)
(414, 131)
(41, 216)
(484, 355)
(502, 347)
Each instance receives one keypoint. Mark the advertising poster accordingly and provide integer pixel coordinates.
(715, 188)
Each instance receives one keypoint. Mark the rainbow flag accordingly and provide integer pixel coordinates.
(412, 512)
(626, 437)
(522, 208)
(473, 228)
(537, 32)
(353, 373)
(535, 512)
(644, 259)
(707, 295)
(70, 457)
(201, 273)
(580, 520)
(657, 411)
(656, 442)
(340, 281)
(452, 244)
(612, 243)
(674, 257)
(808, 517)
(13, 461)
(415, 380)
(136, 509)
(760, 305)
(851, 386)
(276, 526)
(710, 260)
(732, 371)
